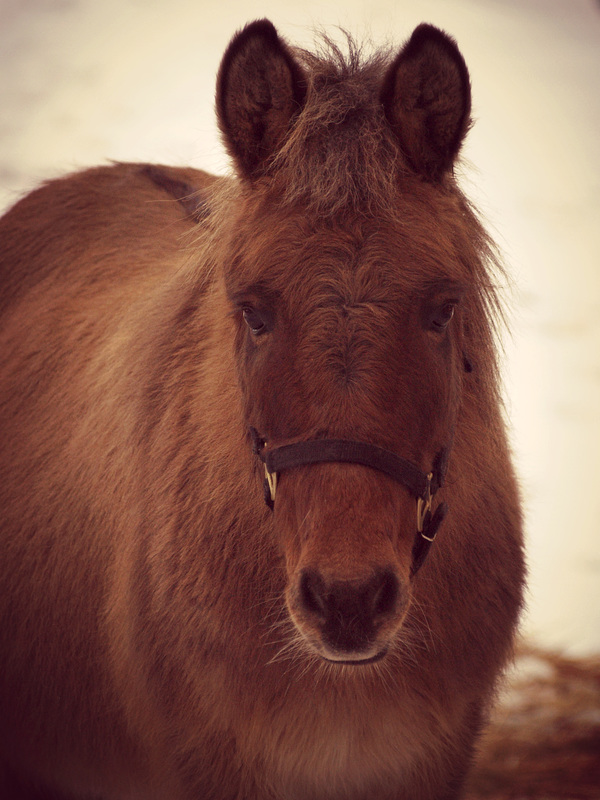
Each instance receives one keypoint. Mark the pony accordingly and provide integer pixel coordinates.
(236, 412)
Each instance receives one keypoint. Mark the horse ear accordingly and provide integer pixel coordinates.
(260, 89)
(426, 96)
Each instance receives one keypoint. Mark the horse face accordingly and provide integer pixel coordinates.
(339, 336)
(345, 291)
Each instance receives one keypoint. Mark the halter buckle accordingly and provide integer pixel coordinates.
(424, 505)
(271, 478)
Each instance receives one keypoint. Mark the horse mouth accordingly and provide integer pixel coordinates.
(358, 662)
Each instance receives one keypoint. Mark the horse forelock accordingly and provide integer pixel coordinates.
(340, 152)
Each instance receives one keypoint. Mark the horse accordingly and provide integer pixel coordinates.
(261, 533)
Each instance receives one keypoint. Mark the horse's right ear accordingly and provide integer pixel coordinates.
(260, 89)
(426, 96)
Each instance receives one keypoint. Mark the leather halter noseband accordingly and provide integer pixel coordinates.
(422, 486)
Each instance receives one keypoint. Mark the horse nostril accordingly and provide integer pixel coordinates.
(349, 613)
(376, 598)
(312, 593)
(386, 594)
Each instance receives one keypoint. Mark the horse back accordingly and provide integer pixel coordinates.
(105, 224)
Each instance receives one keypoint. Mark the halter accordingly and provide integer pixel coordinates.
(422, 486)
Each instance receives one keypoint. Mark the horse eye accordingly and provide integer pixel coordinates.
(253, 320)
(442, 317)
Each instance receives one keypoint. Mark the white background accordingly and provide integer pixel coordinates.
(84, 81)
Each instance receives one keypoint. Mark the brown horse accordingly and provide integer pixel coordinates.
(326, 317)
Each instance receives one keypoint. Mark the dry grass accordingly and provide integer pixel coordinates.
(544, 739)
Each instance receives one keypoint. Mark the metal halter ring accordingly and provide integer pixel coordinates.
(424, 505)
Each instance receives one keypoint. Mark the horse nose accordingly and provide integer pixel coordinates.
(349, 613)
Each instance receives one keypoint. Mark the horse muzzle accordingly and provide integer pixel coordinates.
(348, 621)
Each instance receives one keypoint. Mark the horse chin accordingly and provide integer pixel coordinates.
(358, 661)
(328, 653)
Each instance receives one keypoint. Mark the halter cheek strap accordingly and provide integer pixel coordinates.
(422, 486)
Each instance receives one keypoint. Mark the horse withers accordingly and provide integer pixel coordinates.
(261, 537)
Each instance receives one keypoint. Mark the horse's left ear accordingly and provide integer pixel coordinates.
(260, 89)
(426, 96)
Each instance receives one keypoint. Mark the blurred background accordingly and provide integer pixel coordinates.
(83, 82)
